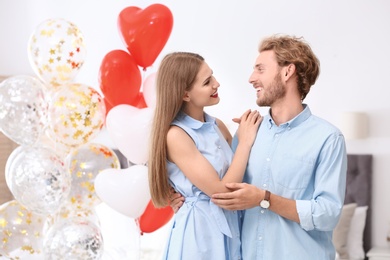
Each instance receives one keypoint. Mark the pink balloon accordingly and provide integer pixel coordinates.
(129, 128)
(149, 90)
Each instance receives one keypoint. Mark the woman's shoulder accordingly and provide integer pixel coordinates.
(224, 130)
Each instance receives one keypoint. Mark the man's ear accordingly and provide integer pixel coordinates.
(186, 97)
(289, 70)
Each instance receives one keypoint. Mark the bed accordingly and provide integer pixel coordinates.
(352, 235)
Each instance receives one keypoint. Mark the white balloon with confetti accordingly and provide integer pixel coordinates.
(23, 109)
(73, 238)
(56, 51)
(76, 115)
(38, 179)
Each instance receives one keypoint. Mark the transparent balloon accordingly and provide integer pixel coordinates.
(20, 230)
(73, 238)
(70, 210)
(76, 115)
(8, 165)
(56, 51)
(84, 164)
(23, 109)
(38, 179)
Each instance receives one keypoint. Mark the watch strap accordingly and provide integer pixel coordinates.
(267, 195)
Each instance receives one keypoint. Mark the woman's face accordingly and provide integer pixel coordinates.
(205, 89)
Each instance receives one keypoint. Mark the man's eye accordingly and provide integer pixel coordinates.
(207, 82)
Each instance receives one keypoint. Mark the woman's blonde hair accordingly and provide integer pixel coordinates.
(176, 75)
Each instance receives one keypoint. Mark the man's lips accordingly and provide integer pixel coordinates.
(258, 90)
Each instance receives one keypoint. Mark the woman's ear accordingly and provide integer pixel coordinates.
(186, 97)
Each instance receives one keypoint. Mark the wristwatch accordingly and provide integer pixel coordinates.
(265, 203)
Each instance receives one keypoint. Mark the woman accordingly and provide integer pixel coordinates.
(190, 151)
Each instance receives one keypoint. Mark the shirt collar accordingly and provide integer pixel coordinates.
(301, 117)
(193, 123)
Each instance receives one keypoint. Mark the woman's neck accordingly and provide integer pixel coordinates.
(197, 114)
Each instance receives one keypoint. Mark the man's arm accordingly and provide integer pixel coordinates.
(245, 196)
(176, 200)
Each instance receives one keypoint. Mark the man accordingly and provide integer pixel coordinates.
(294, 185)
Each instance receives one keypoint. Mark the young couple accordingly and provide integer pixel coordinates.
(286, 170)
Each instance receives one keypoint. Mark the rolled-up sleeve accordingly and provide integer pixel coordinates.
(322, 212)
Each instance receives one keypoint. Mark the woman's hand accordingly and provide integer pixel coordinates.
(249, 124)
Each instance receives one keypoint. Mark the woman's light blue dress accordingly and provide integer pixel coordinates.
(202, 230)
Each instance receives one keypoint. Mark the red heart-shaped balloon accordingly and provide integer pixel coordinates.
(145, 32)
(154, 218)
(119, 78)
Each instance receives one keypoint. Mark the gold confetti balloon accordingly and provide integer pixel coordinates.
(84, 164)
(76, 115)
(21, 231)
(56, 51)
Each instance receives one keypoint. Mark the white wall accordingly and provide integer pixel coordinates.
(351, 39)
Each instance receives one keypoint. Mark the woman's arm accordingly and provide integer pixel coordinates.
(184, 153)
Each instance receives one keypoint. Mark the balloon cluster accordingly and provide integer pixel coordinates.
(57, 175)
(130, 110)
(51, 173)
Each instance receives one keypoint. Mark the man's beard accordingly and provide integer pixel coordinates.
(275, 91)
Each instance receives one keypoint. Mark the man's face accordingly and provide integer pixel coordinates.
(266, 79)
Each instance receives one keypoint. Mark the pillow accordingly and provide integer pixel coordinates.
(355, 235)
(340, 233)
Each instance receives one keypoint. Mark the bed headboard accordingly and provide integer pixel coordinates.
(358, 190)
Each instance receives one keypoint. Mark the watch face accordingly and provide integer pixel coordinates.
(264, 204)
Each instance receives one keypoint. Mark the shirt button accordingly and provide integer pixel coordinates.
(268, 159)
(265, 185)
(262, 211)
(260, 238)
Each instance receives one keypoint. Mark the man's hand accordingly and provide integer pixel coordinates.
(176, 200)
(243, 196)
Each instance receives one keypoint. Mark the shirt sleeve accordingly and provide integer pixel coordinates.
(322, 212)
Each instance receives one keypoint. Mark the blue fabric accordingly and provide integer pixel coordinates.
(304, 160)
(202, 230)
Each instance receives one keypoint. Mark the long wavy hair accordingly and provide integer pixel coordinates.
(176, 75)
(294, 50)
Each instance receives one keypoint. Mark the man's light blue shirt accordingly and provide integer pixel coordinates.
(304, 160)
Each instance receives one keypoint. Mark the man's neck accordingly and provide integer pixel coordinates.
(282, 113)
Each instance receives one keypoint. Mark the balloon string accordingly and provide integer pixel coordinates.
(139, 234)
(143, 75)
